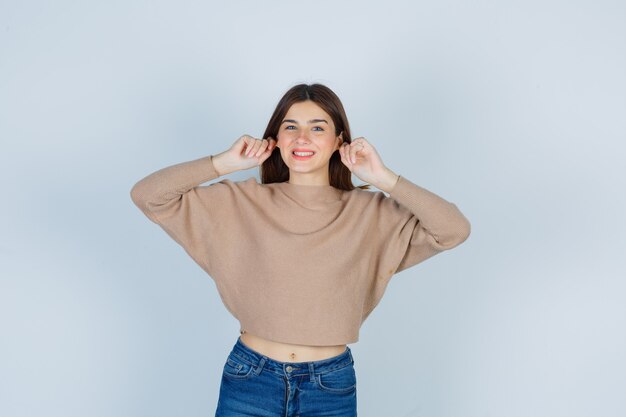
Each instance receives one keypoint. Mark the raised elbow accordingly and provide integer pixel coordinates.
(461, 232)
(457, 233)
(138, 195)
(466, 229)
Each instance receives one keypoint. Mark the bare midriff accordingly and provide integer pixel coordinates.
(285, 352)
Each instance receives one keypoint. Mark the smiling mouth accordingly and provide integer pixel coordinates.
(302, 155)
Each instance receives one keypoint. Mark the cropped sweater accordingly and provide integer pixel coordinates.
(298, 264)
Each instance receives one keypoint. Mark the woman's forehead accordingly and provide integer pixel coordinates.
(307, 112)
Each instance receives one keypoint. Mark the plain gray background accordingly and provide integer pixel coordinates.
(514, 111)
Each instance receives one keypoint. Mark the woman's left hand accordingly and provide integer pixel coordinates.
(363, 161)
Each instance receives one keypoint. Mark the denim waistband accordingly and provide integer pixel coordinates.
(254, 358)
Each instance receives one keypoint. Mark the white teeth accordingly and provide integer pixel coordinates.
(303, 153)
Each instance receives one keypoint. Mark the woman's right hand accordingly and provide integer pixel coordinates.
(247, 152)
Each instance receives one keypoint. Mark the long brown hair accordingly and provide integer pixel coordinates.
(274, 169)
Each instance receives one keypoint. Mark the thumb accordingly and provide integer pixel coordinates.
(244, 143)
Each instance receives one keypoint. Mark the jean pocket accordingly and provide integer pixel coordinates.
(237, 368)
(339, 381)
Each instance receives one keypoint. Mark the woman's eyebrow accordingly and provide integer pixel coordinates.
(310, 121)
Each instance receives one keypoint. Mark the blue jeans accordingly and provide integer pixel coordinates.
(256, 385)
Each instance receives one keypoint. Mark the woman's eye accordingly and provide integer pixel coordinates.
(315, 127)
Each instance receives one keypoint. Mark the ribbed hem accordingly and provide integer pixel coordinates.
(198, 171)
(212, 172)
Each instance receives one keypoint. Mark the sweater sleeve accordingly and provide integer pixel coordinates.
(434, 224)
(172, 198)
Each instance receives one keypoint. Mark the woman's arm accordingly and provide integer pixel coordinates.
(436, 223)
(173, 198)
(421, 223)
(159, 195)
(192, 214)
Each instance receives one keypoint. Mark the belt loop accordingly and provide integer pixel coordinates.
(350, 354)
(311, 372)
(260, 365)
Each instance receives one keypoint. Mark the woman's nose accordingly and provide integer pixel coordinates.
(303, 137)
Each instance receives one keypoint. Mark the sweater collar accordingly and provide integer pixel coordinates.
(310, 192)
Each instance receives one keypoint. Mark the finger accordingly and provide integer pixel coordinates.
(266, 154)
(246, 144)
(249, 142)
(268, 151)
(341, 148)
(258, 146)
(272, 144)
(250, 146)
(360, 146)
(254, 146)
(354, 148)
(344, 155)
(262, 148)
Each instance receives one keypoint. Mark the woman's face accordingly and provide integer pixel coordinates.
(306, 127)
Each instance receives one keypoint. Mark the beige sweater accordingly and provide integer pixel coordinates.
(300, 264)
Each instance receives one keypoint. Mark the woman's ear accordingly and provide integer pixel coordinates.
(340, 138)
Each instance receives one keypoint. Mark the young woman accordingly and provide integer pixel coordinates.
(303, 257)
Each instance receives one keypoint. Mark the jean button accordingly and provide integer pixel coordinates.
(289, 368)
